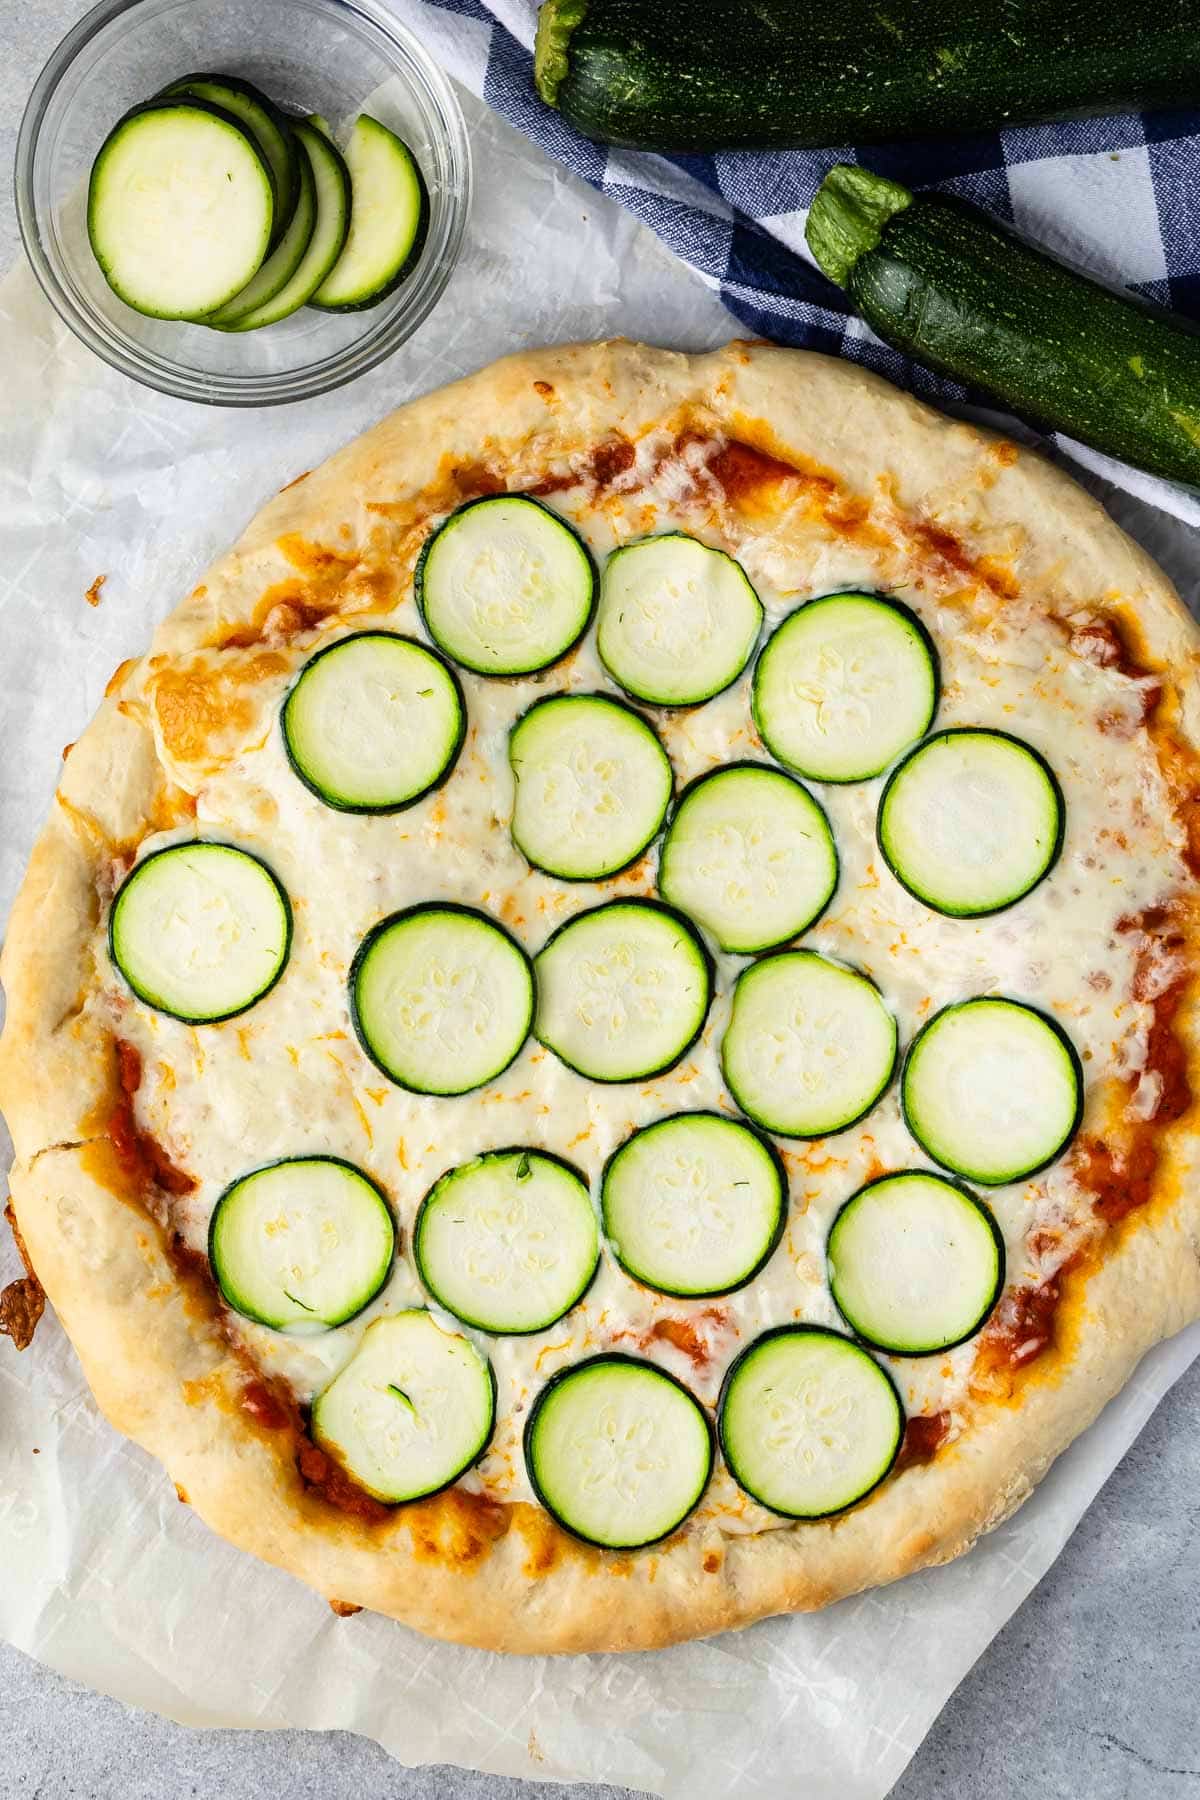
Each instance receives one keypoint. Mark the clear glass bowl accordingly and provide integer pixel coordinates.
(335, 57)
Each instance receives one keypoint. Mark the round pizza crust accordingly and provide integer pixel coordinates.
(504, 1577)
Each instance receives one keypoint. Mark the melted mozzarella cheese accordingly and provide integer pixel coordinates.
(289, 1078)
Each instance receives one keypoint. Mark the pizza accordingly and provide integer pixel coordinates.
(601, 1036)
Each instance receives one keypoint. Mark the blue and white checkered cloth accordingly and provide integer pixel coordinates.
(1117, 196)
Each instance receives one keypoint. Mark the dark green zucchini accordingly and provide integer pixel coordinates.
(951, 286)
(731, 74)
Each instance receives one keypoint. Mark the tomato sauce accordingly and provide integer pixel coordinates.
(924, 1435)
(1022, 1327)
(141, 1157)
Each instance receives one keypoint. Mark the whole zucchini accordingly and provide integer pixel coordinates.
(945, 282)
(681, 75)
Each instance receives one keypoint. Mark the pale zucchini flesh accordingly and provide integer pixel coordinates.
(441, 998)
(508, 1243)
(200, 931)
(389, 217)
(677, 619)
(263, 122)
(303, 1243)
(281, 265)
(774, 1420)
(916, 1263)
(618, 1451)
(411, 1411)
(331, 188)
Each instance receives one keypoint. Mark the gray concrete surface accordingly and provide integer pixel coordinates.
(1092, 1691)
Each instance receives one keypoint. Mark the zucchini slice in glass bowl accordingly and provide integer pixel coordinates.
(749, 855)
(200, 931)
(307, 1241)
(623, 990)
(412, 1410)
(773, 1421)
(263, 122)
(389, 217)
(508, 1243)
(262, 303)
(505, 586)
(811, 1044)
(694, 1205)
(618, 1451)
(677, 619)
(971, 821)
(844, 685)
(441, 998)
(916, 1263)
(374, 722)
(992, 1089)
(593, 784)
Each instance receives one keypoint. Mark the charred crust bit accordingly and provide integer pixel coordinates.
(181, 1495)
(712, 1561)
(23, 1301)
(1005, 453)
(545, 389)
(924, 1435)
(92, 594)
(295, 481)
(345, 1609)
(117, 678)
(545, 1542)
(1021, 1329)
(456, 1528)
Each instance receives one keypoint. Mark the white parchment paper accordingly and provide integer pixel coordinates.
(104, 1575)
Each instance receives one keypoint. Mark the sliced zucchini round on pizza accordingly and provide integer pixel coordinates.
(774, 1416)
(200, 931)
(412, 1410)
(307, 1241)
(971, 821)
(618, 1451)
(748, 855)
(505, 586)
(992, 1089)
(508, 1243)
(916, 1263)
(441, 998)
(677, 619)
(844, 685)
(374, 722)
(694, 1205)
(593, 784)
(622, 990)
(810, 1047)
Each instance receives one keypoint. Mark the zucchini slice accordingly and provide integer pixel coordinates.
(261, 120)
(441, 998)
(373, 722)
(505, 586)
(810, 1046)
(808, 1422)
(412, 1410)
(593, 785)
(750, 856)
(694, 1205)
(622, 990)
(508, 1243)
(677, 620)
(389, 216)
(844, 685)
(331, 193)
(281, 265)
(200, 931)
(992, 1089)
(971, 821)
(305, 1241)
(180, 209)
(618, 1451)
(916, 1263)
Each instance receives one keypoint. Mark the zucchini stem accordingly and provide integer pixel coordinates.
(848, 215)
(551, 64)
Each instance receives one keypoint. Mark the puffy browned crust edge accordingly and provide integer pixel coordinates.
(153, 1354)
